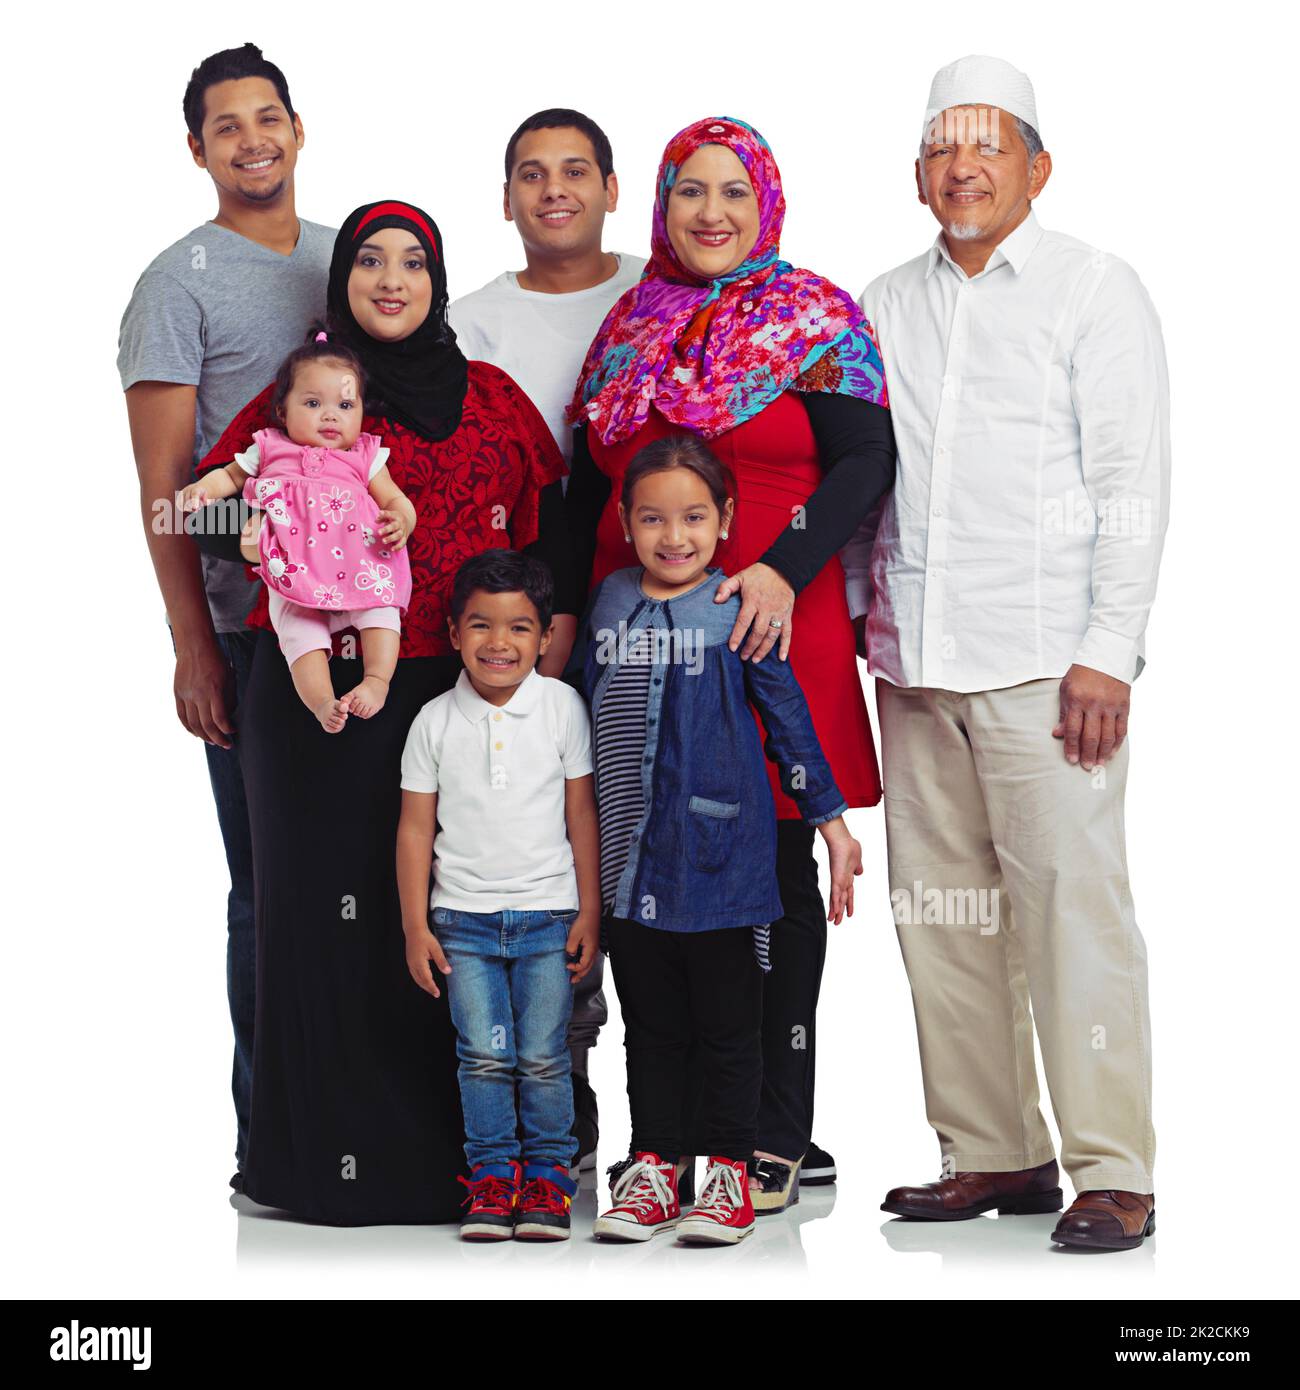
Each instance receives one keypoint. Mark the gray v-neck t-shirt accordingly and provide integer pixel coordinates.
(220, 312)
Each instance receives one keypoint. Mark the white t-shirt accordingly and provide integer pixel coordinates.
(539, 339)
(499, 771)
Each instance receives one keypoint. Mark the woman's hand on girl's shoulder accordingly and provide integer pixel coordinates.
(766, 611)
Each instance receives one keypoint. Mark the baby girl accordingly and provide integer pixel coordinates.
(329, 530)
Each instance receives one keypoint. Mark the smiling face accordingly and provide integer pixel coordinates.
(323, 407)
(555, 196)
(250, 143)
(975, 176)
(712, 216)
(390, 291)
(499, 638)
(674, 524)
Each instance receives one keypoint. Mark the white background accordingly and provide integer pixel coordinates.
(1174, 146)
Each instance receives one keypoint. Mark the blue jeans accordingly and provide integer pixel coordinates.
(241, 940)
(510, 1000)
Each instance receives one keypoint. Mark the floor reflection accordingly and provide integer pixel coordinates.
(268, 1237)
(992, 1240)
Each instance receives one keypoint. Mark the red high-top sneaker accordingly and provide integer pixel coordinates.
(493, 1193)
(723, 1211)
(645, 1201)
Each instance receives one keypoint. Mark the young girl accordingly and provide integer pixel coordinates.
(688, 838)
(329, 530)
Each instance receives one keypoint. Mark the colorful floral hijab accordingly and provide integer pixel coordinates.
(710, 354)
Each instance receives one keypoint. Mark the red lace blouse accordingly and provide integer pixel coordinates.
(476, 490)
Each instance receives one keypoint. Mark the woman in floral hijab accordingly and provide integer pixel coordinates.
(779, 370)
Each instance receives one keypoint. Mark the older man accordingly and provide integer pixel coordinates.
(1005, 600)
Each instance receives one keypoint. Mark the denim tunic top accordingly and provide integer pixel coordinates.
(703, 854)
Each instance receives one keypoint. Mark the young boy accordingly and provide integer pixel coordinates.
(499, 769)
(537, 324)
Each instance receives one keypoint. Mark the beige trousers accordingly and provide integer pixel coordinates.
(1009, 885)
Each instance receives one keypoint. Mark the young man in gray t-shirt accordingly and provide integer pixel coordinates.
(207, 326)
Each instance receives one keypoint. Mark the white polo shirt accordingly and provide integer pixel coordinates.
(499, 772)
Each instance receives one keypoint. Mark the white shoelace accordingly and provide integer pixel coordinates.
(720, 1194)
(644, 1185)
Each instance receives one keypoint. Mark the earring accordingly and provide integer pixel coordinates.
(628, 539)
(722, 535)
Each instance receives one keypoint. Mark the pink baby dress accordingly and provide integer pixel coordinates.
(319, 543)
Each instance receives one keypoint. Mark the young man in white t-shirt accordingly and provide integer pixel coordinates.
(536, 324)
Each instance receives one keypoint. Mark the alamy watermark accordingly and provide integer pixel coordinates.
(657, 646)
(946, 907)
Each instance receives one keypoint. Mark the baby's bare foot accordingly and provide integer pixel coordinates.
(368, 697)
(333, 714)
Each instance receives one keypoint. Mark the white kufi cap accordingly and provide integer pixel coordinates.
(979, 80)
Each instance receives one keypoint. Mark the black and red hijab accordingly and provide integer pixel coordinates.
(420, 381)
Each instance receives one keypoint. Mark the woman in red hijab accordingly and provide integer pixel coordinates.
(778, 369)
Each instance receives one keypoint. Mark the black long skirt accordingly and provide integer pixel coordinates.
(356, 1116)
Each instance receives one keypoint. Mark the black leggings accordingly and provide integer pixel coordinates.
(692, 1006)
(790, 992)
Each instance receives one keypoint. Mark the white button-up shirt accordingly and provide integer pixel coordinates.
(1031, 411)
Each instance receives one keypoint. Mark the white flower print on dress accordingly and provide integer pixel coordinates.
(337, 503)
(814, 321)
(328, 596)
(378, 578)
(367, 536)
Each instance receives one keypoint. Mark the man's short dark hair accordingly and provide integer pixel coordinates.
(230, 65)
(504, 572)
(558, 118)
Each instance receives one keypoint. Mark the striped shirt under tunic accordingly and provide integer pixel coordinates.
(620, 743)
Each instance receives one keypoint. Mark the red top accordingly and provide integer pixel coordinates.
(476, 490)
(773, 459)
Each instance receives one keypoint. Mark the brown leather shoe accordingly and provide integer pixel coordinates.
(965, 1195)
(1108, 1220)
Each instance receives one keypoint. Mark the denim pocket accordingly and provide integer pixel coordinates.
(710, 832)
(566, 916)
